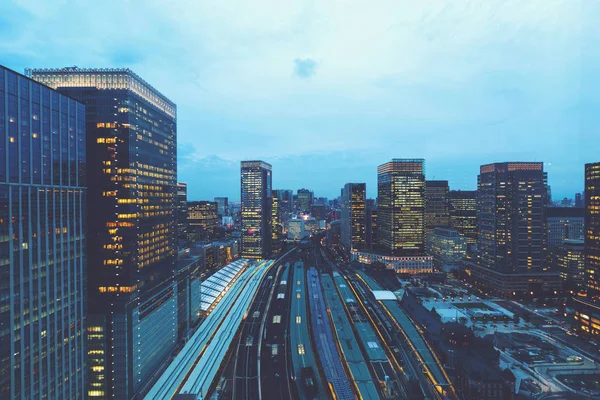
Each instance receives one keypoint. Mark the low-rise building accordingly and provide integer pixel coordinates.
(400, 264)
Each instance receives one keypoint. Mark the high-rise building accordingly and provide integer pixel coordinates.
(223, 206)
(305, 200)
(371, 223)
(563, 223)
(286, 200)
(353, 216)
(447, 247)
(181, 211)
(511, 230)
(202, 219)
(401, 206)
(587, 307)
(276, 223)
(437, 212)
(256, 195)
(567, 258)
(463, 213)
(42, 241)
(579, 200)
(131, 245)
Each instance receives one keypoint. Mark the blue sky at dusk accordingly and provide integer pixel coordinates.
(326, 90)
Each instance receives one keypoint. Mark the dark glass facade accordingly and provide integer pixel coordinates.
(201, 220)
(437, 213)
(304, 200)
(401, 207)
(276, 223)
(223, 206)
(256, 195)
(353, 222)
(181, 211)
(131, 160)
(42, 241)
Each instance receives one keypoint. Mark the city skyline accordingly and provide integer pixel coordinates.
(457, 97)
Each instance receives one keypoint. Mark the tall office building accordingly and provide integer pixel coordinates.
(256, 195)
(353, 235)
(42, 241)
(131, 243)
(563, 223)
(567, 258)
(587, 308)
(223, 206)
(181, 211)
(305, 200)
(463, 213)
(286, 200)
(371, 223)
(437, 212)
(202, 219)
(579, 200)
(511, 235)
(401, 206)
(276, 223)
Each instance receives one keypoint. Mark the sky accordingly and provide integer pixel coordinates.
(327, 90)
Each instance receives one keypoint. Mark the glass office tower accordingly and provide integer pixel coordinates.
(401, 206)
(463, 213)
(437, 212)
(42, 241)
(256, 209)
(353, 227)
(182, 211)
(131, 168)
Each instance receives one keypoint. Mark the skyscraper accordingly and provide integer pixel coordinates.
(563, 223)
(42, 241)
(587, 308)
(401, 206)
(223, 206)
(276, 223)
(436, 205)
(371, 223)
(131, 244)
(463, 213)
(181, 211)
(305, 200)
(353, 235)
(202, 219)
(256, 209)
(286, 200)
(511, 235)
(578, 200)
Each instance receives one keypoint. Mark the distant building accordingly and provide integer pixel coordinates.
(286, 200)
(401, 207)
(222, 206)
(43, 236)
(296, 229)
(463, 213)
(437, 213)
(587, 307)
(447, 247)
(318, 211)
(276, 223)
(371, 224)
(567, 258)
(227, 222)
(579, 200)
(181, 211)
(311, 226)
(511, 231)
(353, 216)
(401, 265)
(202, 220)
(256, 177)
(305, 200)
(563, 223)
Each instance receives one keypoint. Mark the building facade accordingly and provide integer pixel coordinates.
(222, 206)
(132, 253)
(447, 247)
(181, 211)
(202, 220)
(463, 213)
(256, 177)
(437, 206)
(286, 199)
(353, 216)
(563, 223)
(42, 241)
(567, 259)
(276, 223)
(402, 265)
(401, 207)
(304, 200)
(587, 306)
(371, 224)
